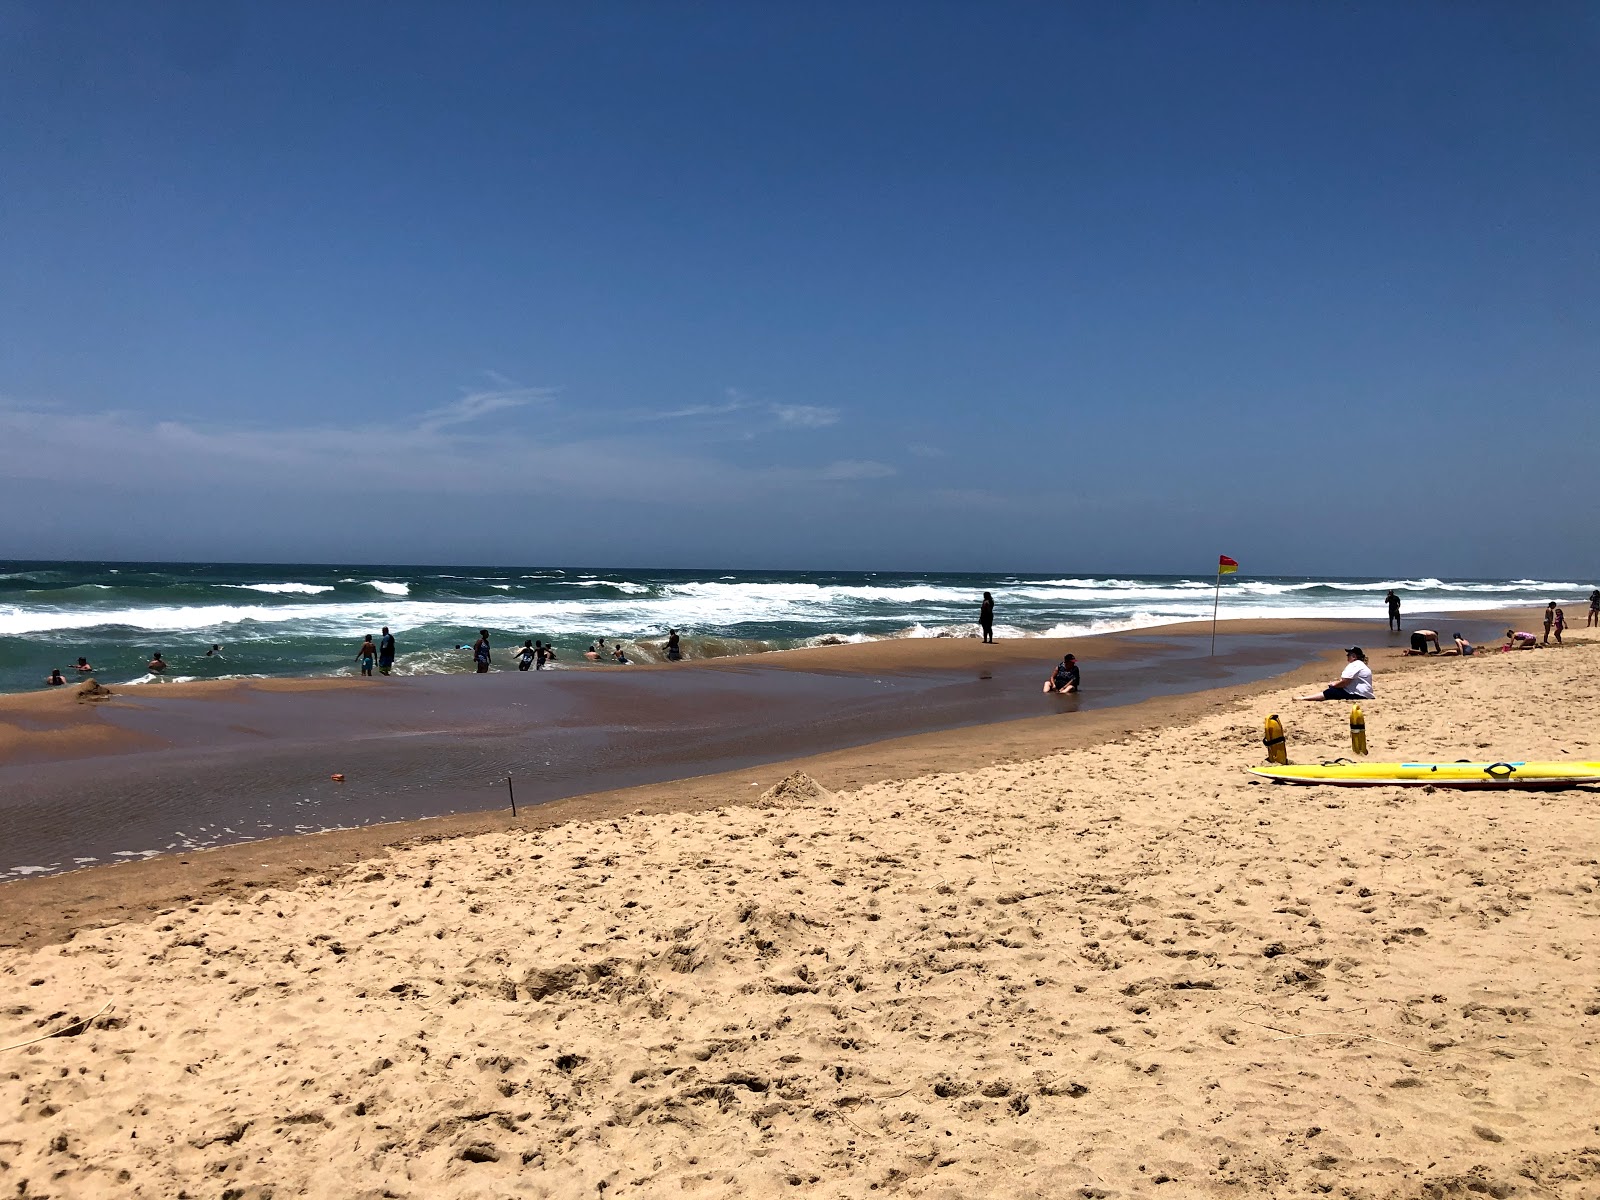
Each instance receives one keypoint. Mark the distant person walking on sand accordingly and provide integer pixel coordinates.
(1420, 639)
(1354, 682)
(675, 651)
(525, 655)
(480, 652)
(1558, 624)
(1393, 602)
(367, 655)
(1517, 639)
(385, 652)
(1594, 608)
(986, 617)
(157, 665)
(56, 678)
(1549, 619)
(1065, 677)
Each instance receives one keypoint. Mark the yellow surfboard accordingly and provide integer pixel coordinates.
(1451, 775)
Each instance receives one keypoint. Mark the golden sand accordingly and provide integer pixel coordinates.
(1122, 970)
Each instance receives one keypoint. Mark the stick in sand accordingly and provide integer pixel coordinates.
(513, 795)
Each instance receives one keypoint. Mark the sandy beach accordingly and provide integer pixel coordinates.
(1121, 969)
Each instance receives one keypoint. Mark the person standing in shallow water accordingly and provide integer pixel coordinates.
(367, 655)
(480, 652)
(385, 651)
(986, 617)
(1393, 602)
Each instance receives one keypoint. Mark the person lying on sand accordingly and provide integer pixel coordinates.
(1516, 639)
(1420, 639)
(1354, 682)
(1065, 677)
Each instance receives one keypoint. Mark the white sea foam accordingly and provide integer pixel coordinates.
(285, 589)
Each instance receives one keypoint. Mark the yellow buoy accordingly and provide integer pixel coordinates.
(1358, 729)
(1277, 748)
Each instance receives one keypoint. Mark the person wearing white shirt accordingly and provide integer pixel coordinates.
(1354, 682)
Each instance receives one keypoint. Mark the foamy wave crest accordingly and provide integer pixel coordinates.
(283, 589)
(383, 585)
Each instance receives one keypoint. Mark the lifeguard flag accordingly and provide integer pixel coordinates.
(1226, 565)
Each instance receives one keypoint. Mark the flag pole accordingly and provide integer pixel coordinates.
(1216, 598)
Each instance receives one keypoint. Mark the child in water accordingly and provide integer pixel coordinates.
(367, 655)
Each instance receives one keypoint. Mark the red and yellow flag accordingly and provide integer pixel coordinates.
(1226, 565)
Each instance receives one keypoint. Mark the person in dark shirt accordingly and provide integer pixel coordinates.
(986, 617)
(385, 651)
(1393, 602)
(1065, 677)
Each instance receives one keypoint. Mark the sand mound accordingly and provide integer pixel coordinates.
(797, 788)
(92, 691)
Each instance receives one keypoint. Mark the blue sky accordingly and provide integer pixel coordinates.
(939, 286)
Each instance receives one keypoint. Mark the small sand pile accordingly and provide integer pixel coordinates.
(91, 691)
(798, 788)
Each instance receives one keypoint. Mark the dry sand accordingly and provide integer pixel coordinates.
(1120, 970)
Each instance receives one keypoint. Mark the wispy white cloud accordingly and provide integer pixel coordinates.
(694, 410)
(475, 405)
(804, 416)
(769, 413)
(924, 450)
(454, 449)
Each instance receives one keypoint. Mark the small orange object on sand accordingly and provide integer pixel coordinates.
(338, 778)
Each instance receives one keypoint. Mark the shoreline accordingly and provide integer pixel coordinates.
(1106, 964)
(51, 905)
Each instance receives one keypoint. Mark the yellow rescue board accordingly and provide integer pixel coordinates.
(1451, 775)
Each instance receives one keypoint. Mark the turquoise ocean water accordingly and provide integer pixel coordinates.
(300, 619)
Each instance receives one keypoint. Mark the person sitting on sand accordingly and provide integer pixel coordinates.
(1464, 647)
(1517, 639)
(157, 665)
(525, 655)
(83, 666)
(1420, 639)
(55, 678)
(1354, 682)
(367, 655)
(1064, 678)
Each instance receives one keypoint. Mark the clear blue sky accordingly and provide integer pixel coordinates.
(995, 286)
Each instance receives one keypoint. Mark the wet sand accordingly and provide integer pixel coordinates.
(1107, 967)
(182, 768)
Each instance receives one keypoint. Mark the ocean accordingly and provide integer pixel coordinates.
(296, 619)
